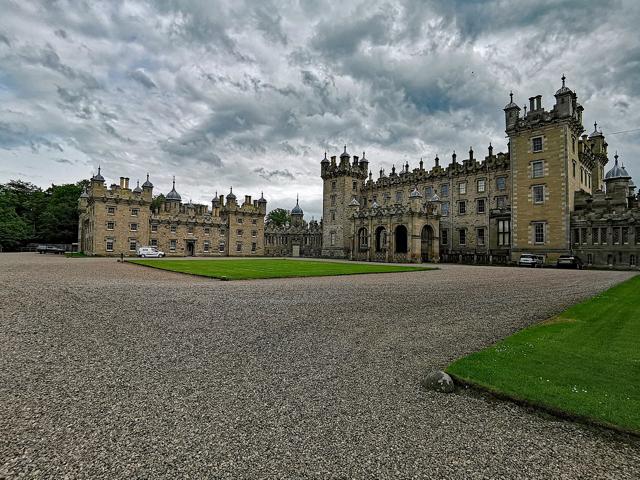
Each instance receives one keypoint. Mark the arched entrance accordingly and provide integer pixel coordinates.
(381, 239)
(401, 239)
(426, 244)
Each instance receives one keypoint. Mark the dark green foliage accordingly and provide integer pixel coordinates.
(30, 215)
(157, 202)
(279, 217)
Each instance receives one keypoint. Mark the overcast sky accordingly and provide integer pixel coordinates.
(251, 94)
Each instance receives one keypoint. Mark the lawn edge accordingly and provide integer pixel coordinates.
(223, 278)
(541, 406)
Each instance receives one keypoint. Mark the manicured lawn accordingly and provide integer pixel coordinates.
(584, 362)
(270, 268)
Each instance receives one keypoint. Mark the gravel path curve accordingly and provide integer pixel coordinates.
(112, 370)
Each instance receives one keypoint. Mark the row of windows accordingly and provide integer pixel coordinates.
(503, 240)
(206, 246)
(600, 236)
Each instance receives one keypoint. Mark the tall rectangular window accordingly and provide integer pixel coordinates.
(594, 235)
(501, 183)
(173, 229)
(538, 232)
(172, 245)
(536, 144)
(428, 192)
(399, 197)
(462, 207)
(501, 201)
(462, 236)
(154, 242)
(480, 236)
(110, 225)
(111, 210)
(504, 233)
(205, 246)
(482, 185)
(462, 188)
(444, 236)
(238, 247)
(254, 246)
(154, 227)
(109, 246)
(574, 169)
(480, 205)
(445, 209)
(134, 212)
(333, 238)
(133, 227)
(538, 193)
(444, 190)
(625, 235)
(221, 247)
(537, 169)
(132, 245)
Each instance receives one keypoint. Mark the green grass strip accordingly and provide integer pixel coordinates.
(585, 362)
(270, 268)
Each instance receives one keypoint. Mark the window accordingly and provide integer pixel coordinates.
(190, 229)
(239, 232)
(536, 144)
(537, 169)
(581, 175)
(428, 192)
(333, 185)
(355, 185)
(480, 236)
(205, 246)
(254, 233)
(462, 188)
(462, 236)
(632, 260)
(573, 144)
(589, 258)
(444, 236)
(173, 229)
(363, 238)
(538, 194)
(238, 247)
(333, 238)
(110, 225)
(221, 247)
(616, 235)
(240, 220)
(399, 197)
(504, 233)
(603, 236)
(445, 209)
(594, 235)
(154, 227)
(254, 221)
(134, 227)
(333, 215)
(480, 205)
(462, 207)
(538, 232)
(574, 169)
(575, 236)
(207, 230)
(501, 183)
(109, 246)
(154, 242)
(583, 236)
(134, 212)
(444, 190)
(132, 245)
(172, 245)
(111, 210)
(637, 235)
(482, 185)
(254, 246)
(333, 200)
(625, 235)
(501, 201)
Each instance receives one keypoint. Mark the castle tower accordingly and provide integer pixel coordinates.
(547, 169)
(341, 184)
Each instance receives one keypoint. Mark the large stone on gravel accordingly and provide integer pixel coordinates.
(438, 381)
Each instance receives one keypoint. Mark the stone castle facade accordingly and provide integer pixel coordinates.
(117, 220)
(548, 195)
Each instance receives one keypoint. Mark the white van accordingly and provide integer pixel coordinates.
(150, 252)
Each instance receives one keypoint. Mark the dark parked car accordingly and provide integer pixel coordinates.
(569, 261)
(50, 249)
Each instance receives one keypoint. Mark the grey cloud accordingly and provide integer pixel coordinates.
(142, 78)
(5, 40)
(271, 174)
(61, 33)
(64, 161)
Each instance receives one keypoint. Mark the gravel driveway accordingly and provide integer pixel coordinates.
(112, 370)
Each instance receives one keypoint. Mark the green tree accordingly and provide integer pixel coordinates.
(58, 222)
(157, 202)
(13, 229)
(279, 217)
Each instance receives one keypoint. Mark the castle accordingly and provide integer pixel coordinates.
(548, 195)
(118, 220)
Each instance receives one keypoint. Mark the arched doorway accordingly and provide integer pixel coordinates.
(426, 243)
(381, 239)
(401, 239)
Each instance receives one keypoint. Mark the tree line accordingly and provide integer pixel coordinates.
(29, 214)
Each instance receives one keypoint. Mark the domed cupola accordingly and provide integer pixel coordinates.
(511, 103)
(297, 210)
(344, 154)
(98, 177)
(563, 89)
(596, 132)
(147, 183)
(325, 160)
(137, 189)
(84, 194)
(173, 195)
(262, 199)
(616, 171)
(231, 195)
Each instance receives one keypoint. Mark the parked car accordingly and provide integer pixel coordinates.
(50, 249)
(150, 252)
(530, 260)
(569, 261)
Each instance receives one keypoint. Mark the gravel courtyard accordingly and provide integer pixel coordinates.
(112, 370)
